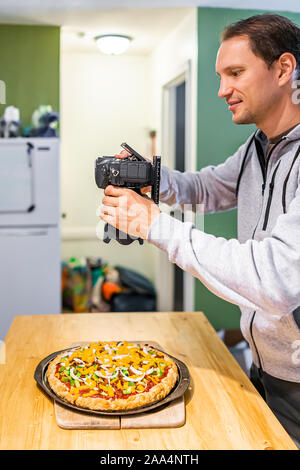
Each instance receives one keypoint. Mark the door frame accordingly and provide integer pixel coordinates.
(165, 268)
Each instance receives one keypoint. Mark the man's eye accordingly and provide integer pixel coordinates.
(236, 73)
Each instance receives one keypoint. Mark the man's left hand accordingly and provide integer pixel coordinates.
(128, 211)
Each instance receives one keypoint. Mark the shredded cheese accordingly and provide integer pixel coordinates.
(108, 367)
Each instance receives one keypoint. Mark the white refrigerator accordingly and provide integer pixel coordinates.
(30, 272)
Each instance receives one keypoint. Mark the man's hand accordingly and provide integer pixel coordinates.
(128, 211)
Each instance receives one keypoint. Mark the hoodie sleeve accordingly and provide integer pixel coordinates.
(257, 275)
(213, 186)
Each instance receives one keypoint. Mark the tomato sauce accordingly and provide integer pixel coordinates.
(117, 391)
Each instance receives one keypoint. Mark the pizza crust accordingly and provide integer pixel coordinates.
(57, 386)
(156, 393)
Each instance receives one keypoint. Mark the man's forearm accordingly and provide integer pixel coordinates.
(214, 187)
(262, 276)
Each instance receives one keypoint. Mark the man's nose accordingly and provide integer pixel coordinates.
(225, 89)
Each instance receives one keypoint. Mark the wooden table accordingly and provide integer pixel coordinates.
(223, 410)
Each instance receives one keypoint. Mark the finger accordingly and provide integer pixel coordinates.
(114, 191)
(110, 201)
(146, 190)
(123, 154)
(106, 218)
(109, 219)
(109, 210)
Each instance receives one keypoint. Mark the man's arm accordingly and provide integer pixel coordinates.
(213, 186)
(259, 275)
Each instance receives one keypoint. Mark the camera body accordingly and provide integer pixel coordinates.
(123, 172)
(133, 172)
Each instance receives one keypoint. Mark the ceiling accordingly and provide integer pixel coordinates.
(136, 23)
(147, 21)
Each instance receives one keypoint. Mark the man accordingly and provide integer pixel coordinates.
(258, 63)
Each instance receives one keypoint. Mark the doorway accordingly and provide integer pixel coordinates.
(180, 130)
(177, 288)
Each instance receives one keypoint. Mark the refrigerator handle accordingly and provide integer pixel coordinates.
(29, 149)
(23, 233)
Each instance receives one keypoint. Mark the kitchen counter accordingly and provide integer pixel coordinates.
(223, 409)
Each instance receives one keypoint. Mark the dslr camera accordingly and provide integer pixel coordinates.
(133, 172)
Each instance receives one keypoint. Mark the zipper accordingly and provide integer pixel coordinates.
(264, 168)
(263, 163)
(261, 159)
(271, 188)
(254, 344)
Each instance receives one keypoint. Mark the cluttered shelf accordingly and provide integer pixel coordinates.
(92, 285)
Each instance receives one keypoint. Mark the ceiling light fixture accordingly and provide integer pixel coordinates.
(113, 43)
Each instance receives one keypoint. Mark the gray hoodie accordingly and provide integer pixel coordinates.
(259, 272)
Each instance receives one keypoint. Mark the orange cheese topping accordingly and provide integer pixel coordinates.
(112, 369)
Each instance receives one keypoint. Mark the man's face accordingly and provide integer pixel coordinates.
(247, 84)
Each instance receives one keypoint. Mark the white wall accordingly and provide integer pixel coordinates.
(168, 61)
(105, 101)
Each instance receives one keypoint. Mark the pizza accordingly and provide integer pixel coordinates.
(112, 375)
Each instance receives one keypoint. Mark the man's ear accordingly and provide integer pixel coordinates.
(286, 65)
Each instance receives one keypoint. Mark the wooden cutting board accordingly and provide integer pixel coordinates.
(170, 416)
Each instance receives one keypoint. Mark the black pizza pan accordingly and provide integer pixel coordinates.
(177, 391)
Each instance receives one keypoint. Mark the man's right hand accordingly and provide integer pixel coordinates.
(125, 154)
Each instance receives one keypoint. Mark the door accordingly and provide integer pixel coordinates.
(180, 166)
(175, 287)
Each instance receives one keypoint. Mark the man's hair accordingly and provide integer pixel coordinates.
(270, 36)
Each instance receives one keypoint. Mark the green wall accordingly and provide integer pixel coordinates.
(29, 66)
(217, 138)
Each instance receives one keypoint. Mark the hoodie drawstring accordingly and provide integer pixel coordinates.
(286, 181)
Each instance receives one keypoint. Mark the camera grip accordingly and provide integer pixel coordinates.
(112, 233)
